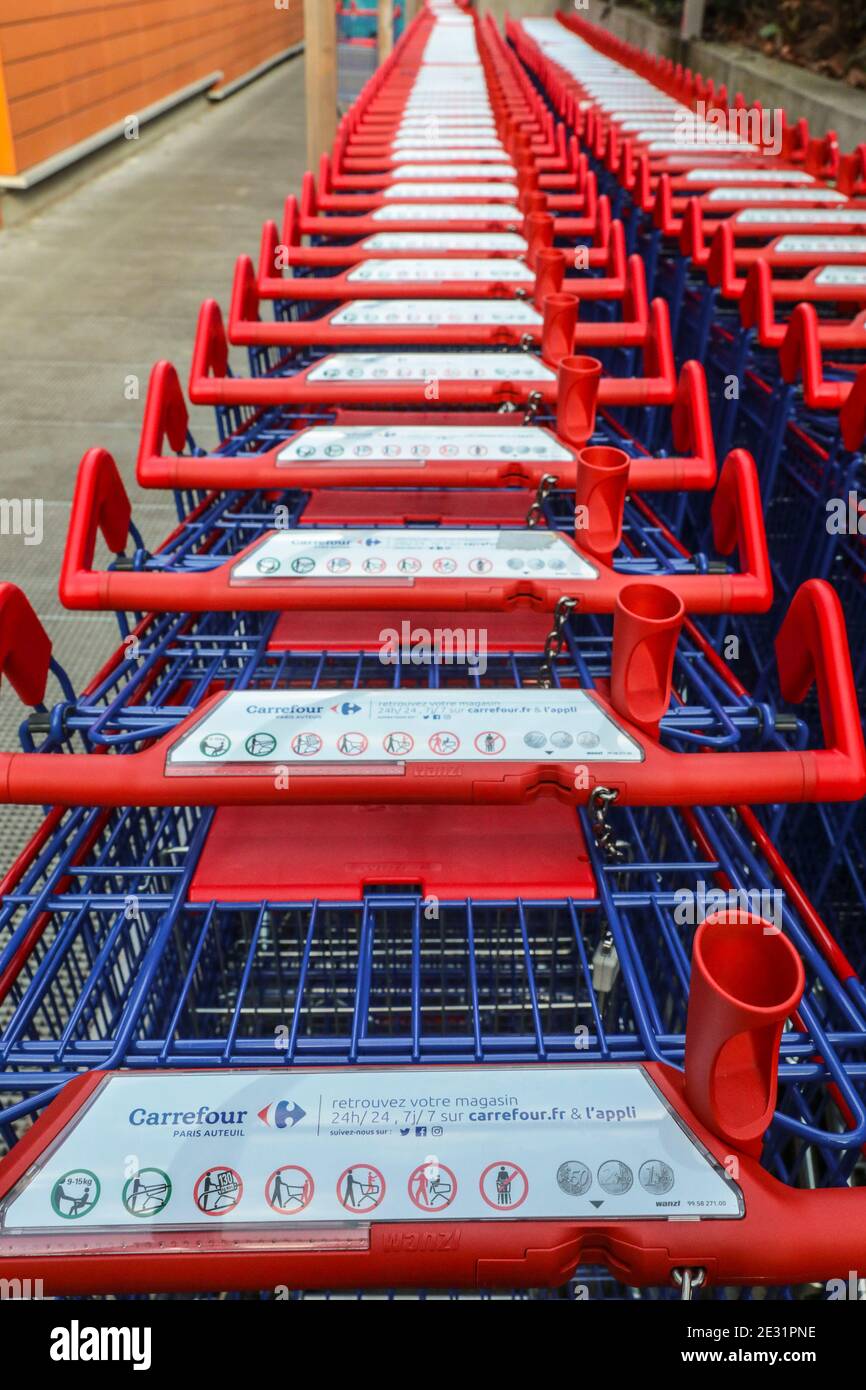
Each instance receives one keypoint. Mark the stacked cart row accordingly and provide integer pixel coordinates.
(454, 878)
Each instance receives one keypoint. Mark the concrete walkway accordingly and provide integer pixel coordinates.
(94, 290)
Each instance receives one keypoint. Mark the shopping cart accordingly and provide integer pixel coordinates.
(519, 245)
(415, 378)
(345, 934)
(468, 322)
(597, 984)
(275, 447)
(665, 725)
(247, 551)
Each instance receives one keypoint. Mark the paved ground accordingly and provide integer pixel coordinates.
(95, 289)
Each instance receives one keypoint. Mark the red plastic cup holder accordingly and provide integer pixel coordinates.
(646, 628)
(599, 500)
(577, 397)
(560, 321)
(527, 180)
(549, 274)
(539, 235)
(536, 202)
(747, 979)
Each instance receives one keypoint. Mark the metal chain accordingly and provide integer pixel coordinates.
(533, 405)
(687, 1280)
(545, 487)
(602, 830)
(555, 640)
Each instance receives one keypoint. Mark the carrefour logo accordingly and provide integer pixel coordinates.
(305, 710)
(281, 1114)
(204, 1115)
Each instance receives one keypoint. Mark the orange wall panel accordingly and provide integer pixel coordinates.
(82, 65)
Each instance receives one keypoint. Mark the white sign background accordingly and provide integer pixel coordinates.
(595, 1142)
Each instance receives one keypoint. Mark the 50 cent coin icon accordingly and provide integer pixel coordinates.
(574, 1178)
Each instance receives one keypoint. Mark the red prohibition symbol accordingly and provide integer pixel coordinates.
(432, 1186)
(289, 1189)
(360, 1188)
(218, 1191)
(504, 1185)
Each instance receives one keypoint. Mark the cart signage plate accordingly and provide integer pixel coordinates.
(435, 270)
(456, 171)
(435, 313)
(278, 1147)
(819, 245)
(447, 212)
(841, 275)
(718, 145)
(718, 175)
(342, 728)
(445, 241)
(430, 366)
(487, 189)
(371, 554)
(803, 217)
(454, 148)
(414, 444)
(458, 102)
(775, 195)
(420, 129)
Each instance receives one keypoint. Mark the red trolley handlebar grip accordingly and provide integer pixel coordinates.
(852, 416)
(812, 648)
(738, 523)
(100, 503)
(165, 415)
(25, 647)
(836, 772)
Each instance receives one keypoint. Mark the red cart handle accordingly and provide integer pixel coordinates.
(210, 383)
(721, 265)
(662, 777)
(25, 647)
(757, 309)
(100, 503)
(852, 416)
(210, 352)
(851, 179)
(800, 356)
(787, 1236)
(812, 649)
(166, 416)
